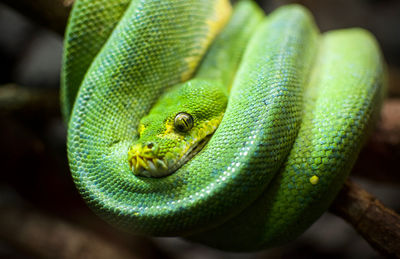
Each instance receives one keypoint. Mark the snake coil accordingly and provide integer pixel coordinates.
(300, 106)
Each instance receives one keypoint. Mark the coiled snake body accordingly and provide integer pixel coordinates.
(300, 106)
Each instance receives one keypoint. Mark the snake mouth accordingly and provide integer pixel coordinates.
(149, 167)
(142, 165)
(192, 151)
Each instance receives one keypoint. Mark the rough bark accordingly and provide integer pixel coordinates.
(377, 224)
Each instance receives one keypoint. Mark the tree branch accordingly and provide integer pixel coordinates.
(377, 224)
(378, 160)
(14, 98)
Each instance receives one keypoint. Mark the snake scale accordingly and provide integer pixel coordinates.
(277, 113)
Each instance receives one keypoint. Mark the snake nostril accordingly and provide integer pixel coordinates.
(150, 145)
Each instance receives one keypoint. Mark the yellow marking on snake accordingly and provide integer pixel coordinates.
(314, 179)
(223, 10)
(141, 129)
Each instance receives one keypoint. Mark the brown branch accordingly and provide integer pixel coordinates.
(377, 224)
(48, 237)
(379, 158)
(14, 98)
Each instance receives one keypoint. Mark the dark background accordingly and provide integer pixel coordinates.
(33, 161)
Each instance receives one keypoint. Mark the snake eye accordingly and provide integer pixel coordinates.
(183, 122)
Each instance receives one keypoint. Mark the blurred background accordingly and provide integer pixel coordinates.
(36, 190)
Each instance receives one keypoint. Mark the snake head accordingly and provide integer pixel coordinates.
(177, 127)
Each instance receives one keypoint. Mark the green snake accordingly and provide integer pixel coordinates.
(228, 128)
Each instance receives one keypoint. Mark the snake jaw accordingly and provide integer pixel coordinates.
(150, 167)
(143, 165)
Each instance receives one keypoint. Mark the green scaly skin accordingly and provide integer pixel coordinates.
(300, 106)
(161, 149)
(170, 148)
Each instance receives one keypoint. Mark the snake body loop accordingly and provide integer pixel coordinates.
(300, 106)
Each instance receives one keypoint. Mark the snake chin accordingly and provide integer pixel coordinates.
(159, 167)
(149, 167)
